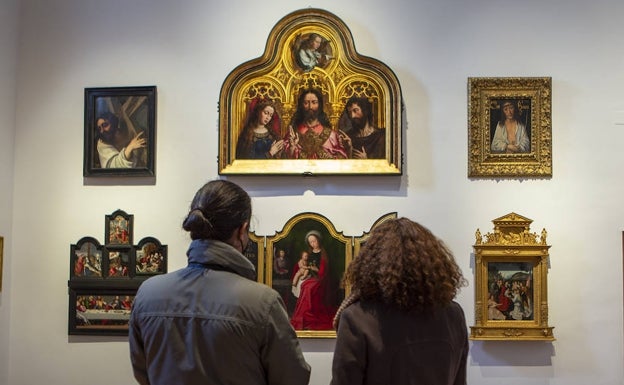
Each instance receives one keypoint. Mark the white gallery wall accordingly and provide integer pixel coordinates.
(8, 70)
(187, 48)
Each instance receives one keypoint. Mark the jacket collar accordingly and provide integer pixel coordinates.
(213, 252)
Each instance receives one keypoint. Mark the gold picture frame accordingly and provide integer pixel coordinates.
(523, 147)
(336, 253)
(511, 290)
(358, 242)
(255, 254)
(282, 77)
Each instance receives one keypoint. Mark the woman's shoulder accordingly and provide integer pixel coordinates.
(455, 310)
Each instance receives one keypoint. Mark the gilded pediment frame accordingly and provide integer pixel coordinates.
(511, 290)
(279, 77)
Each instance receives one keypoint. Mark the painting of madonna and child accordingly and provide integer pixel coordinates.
(307, 261)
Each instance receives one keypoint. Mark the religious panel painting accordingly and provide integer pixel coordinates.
(310, 105)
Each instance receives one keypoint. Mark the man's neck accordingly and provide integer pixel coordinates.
(366, 130)
(312, 123)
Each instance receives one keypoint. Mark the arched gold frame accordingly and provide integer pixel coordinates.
(276, 76)
(358, 242)
(511, 242)
(315, 222)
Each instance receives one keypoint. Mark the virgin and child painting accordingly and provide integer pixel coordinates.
(307, 260)
(310, 105)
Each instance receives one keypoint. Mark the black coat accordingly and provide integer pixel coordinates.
(380, 345)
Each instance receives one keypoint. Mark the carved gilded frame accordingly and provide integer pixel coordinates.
(293, 240)
(531, 98)
(255, 253)
(277, 76)
(511, 291)
(358, 242)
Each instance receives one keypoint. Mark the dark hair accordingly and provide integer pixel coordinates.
(514, 103)
(299, 115)
(218, 208)
(114, 122)
(307, 43)
(405, 266)
(365, 105)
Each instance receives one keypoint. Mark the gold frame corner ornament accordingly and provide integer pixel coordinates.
(511, 261)
(532, 98)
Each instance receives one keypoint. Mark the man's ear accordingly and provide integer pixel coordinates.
(243, 229)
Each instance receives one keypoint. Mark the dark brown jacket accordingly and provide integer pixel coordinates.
(379, 345)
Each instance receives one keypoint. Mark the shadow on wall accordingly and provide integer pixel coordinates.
(511, 353)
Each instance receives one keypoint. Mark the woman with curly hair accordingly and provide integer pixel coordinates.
(401, 325)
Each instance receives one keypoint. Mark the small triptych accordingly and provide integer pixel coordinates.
(104, 278)
(304, 262)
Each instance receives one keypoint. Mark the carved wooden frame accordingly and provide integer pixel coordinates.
(532, 98)
(511, 248)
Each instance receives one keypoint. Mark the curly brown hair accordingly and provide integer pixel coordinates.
(404, 265)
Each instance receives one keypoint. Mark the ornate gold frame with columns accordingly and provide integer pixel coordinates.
(511, 291)
(279, 77)
(531, 98)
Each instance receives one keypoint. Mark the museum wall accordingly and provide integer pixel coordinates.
(8, 61)
(187, 48)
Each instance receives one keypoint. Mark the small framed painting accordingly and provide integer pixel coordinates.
(119, 131)
(509, 127)
(100, 311)
(511, 290)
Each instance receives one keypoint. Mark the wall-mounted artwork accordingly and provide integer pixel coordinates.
(509, 127)
(255, 253)
(120, 131)
(310, 105)
(118, 228)
(313, 257)
(358, 242)
(104, 278)
(511, 290)
(304, 262)
(151, 257)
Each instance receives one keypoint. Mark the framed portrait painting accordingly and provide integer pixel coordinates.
(120, 131)
(310, 105)
(305, 263)
(509, 127)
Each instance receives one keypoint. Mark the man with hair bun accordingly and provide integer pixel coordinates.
(210, 322)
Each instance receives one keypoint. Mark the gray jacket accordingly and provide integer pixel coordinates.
(210, 323)
(379, 345)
